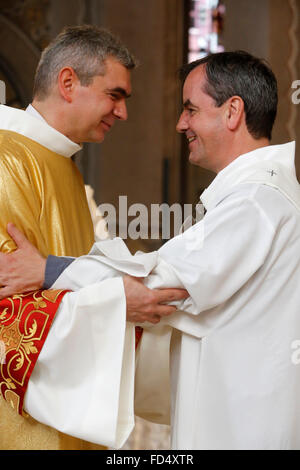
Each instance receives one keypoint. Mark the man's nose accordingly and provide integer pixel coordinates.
(181, 124)
(120, 110)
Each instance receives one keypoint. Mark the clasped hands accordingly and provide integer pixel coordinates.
(24, 271)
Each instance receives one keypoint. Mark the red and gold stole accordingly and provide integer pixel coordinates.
(25, 321)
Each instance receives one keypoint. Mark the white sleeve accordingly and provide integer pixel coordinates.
(82, 384)
(216, 257)
(107, 259)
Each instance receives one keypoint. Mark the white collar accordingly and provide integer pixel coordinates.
(31, 110)
(32, 125)
(240, 168)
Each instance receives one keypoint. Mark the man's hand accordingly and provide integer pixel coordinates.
(24, 269)
(144, 304)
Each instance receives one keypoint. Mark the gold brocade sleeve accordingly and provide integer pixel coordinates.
(19, 203)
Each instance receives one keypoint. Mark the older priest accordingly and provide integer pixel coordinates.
(42, 191)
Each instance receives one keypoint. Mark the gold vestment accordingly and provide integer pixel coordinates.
(42, 193)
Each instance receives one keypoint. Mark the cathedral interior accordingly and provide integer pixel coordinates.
(144, 158)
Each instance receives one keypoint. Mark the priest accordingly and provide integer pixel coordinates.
(227, 354)
(81, 86)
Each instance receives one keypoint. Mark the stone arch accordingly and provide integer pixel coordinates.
(18, 60)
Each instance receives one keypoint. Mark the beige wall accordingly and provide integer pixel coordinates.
(285, 60)
(265, 28)
(132, 156)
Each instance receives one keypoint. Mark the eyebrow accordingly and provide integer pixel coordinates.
(120, 91)
(188, 103)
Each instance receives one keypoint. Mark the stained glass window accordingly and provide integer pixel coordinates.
(205, 25)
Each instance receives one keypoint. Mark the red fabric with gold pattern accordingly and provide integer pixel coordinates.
(138, 335)
(25, 321)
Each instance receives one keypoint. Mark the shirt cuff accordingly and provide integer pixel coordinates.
(54, 267)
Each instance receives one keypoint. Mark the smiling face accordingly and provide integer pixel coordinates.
(96, 107)
(202, 122)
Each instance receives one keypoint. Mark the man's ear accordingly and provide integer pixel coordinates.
(234, 112)
(67, 81)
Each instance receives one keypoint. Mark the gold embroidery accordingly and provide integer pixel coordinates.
(22, 329)
(51, 295)
(13, 399)
(11, 336)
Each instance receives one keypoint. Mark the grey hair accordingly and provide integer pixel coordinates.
(84, 48)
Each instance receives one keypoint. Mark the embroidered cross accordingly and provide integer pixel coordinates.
(272, 172)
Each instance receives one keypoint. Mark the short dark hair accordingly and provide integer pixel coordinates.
(84, 48)
(238, 73)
